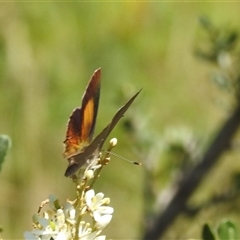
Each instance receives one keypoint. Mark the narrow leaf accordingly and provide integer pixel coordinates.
(207, 233)
(5, 144)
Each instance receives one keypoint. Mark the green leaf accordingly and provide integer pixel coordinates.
(227, 230)
(207, 233)
(5, 144)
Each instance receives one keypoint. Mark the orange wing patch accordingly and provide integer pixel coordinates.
(87, 123)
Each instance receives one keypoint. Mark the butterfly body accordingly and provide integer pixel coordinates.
(80, 147)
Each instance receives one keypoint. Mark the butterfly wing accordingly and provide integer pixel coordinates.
(78, 160)
(81, 124)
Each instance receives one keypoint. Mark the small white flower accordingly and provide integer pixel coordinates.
(101, 214)
(87, 233)
(95, 202)
(84, 229)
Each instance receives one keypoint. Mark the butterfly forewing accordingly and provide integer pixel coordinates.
(82, 122)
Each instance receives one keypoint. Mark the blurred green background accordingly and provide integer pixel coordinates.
(48, 51)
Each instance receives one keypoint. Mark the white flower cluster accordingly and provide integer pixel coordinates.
(68, 222)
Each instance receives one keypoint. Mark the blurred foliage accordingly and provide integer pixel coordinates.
(48, 51)
(5, 144)
(222, 48)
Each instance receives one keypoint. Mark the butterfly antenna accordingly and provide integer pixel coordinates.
(125, 159)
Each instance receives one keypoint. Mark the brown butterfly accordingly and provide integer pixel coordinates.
(80, 147)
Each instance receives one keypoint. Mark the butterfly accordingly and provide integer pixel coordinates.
(80, 147)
